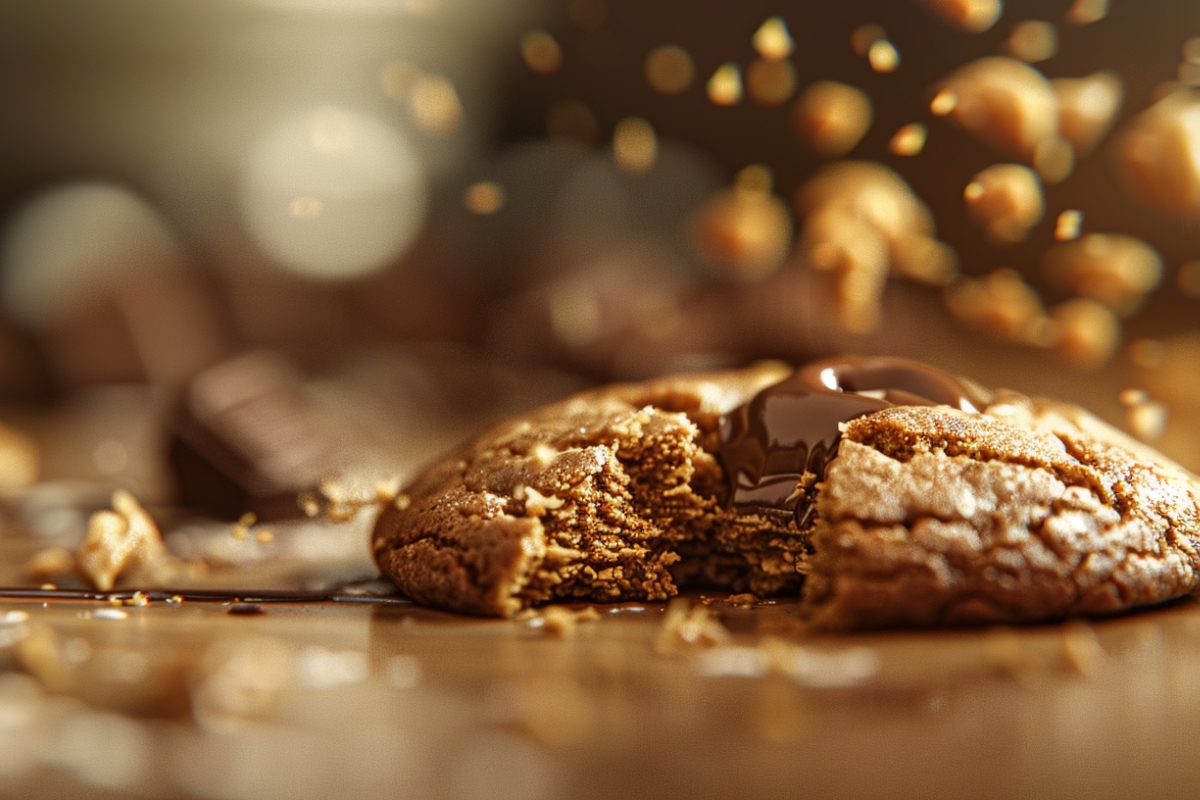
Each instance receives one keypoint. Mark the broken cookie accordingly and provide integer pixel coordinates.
(884, 491)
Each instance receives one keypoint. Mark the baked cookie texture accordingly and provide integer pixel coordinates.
(926, 515)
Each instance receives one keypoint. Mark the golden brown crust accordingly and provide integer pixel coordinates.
(1033, 510)
(1030, 512)
(589, 498)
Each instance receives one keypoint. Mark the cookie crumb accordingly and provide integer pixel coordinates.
(118, 540)
(686, 627)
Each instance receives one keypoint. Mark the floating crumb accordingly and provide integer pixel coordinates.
(909, 140)
(1068, 225)
(686, 627)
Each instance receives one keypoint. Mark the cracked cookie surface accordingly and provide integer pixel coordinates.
(1030, 511)
(1026, 510)
(612, 494)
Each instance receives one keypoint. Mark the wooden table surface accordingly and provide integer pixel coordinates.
(362, 697)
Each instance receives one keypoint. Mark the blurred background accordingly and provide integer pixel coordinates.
(259, 250)
(246, 243)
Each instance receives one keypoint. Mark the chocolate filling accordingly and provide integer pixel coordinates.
(775, 447)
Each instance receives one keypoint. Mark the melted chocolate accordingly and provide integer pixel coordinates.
(774, 447)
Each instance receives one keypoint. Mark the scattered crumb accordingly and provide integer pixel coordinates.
(138, 599)
(557, 620)
(817, 669)
(242, 527)
(687, 627)
(118, 540)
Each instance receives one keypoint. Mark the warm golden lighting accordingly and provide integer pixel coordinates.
(943, 103)
(1087, 107)
(572, 123)
(772, 40)
(541, 52)
(1085, 333)
(1004, 103)
(484, 197)
(770, 83)
(1001, 305)
(725, 86)
(435, 106)
(1085, 12)
(745, 233)
(1006, 201)
(972, 16)
(635, 145)
(862, 222)
(862, 37)
(832, 117)
(1068, 225)
(1054, 159)
(1112, 269)
(1158, 153)
(669, 69)
(754, 178)
(883, 56)
(909, 140)
(1032, 41)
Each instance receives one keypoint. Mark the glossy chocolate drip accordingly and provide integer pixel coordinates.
(790, 430)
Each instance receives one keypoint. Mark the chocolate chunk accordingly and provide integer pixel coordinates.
(244, 439)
